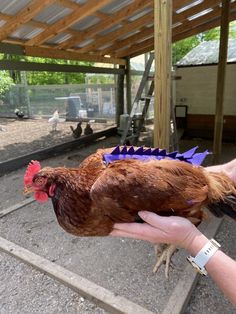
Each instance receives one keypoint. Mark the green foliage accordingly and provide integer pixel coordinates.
(5, 83)
(47, 78)
(100, 79)
(181, 48)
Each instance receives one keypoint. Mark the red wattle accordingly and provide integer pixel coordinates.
(40, 196)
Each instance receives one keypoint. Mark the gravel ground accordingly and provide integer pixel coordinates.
(24, 290)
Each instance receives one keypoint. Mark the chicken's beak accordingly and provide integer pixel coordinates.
(28, 190)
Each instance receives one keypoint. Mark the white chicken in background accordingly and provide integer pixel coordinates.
(2, 129)
(55, 119)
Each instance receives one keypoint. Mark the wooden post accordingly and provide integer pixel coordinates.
(223, 49)
(119, 96)
(162, 46)
(128, 86)
(146, 57)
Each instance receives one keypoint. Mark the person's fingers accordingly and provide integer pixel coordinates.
(137, 236)
(141, 231)
(119, 233)
(129, 227)
(135, 228)
(155, 220)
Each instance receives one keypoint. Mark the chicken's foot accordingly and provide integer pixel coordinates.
(164, 253)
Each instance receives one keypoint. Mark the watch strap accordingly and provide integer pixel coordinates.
(203, 256)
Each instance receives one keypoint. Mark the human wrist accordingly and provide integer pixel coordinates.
(195, 241)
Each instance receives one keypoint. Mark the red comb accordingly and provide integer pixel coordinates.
(32, 169)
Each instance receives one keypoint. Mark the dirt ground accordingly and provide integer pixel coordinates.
(20, 137)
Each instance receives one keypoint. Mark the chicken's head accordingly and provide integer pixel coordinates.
(39, 181)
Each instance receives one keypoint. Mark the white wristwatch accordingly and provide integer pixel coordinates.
(203, 256)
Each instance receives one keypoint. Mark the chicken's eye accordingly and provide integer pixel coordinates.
(40, 181)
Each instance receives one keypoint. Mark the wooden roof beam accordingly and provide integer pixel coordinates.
(201, 20)
(98, 42)
(144, 32)
(129, 27)
(177, 18)
(106, 23)
(34, 23)
(69, 55)
(201, 28)
(23, 17)
(75, 6)
(58, 27)
(135, 47)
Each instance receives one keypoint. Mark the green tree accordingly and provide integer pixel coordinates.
(181, 48)
(5, 83)
(44, 77)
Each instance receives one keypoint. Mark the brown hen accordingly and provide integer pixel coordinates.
(88, 200)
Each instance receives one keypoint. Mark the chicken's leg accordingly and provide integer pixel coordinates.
(164, 253)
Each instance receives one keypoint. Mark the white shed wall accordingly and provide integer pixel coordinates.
(198, 87)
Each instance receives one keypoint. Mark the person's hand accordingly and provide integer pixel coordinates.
(157, 229)
(229, 169)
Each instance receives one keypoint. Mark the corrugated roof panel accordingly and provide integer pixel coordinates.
(188, 6)
(207, 53)
(52, 14)
(129, 34)
(85, 43)
(176, 24)
(110, 29)
(140, 14)
(144, 38)
(105, 46)
(79, 1)
(195, 16)
(2, 22)
(115, 6)
(86, 23)
(150, 25)
(12, 7)
(26, 32)
(59, 38)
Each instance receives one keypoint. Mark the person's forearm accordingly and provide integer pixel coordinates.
(222, 270)
(220, 267)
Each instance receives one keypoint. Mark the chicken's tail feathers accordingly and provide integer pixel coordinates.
(222, 195)
(227, 206)
(72, 129)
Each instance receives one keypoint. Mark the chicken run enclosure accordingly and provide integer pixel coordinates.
(74, 79)
(75, 100)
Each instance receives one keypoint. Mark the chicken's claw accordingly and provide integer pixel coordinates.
(164, 253)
